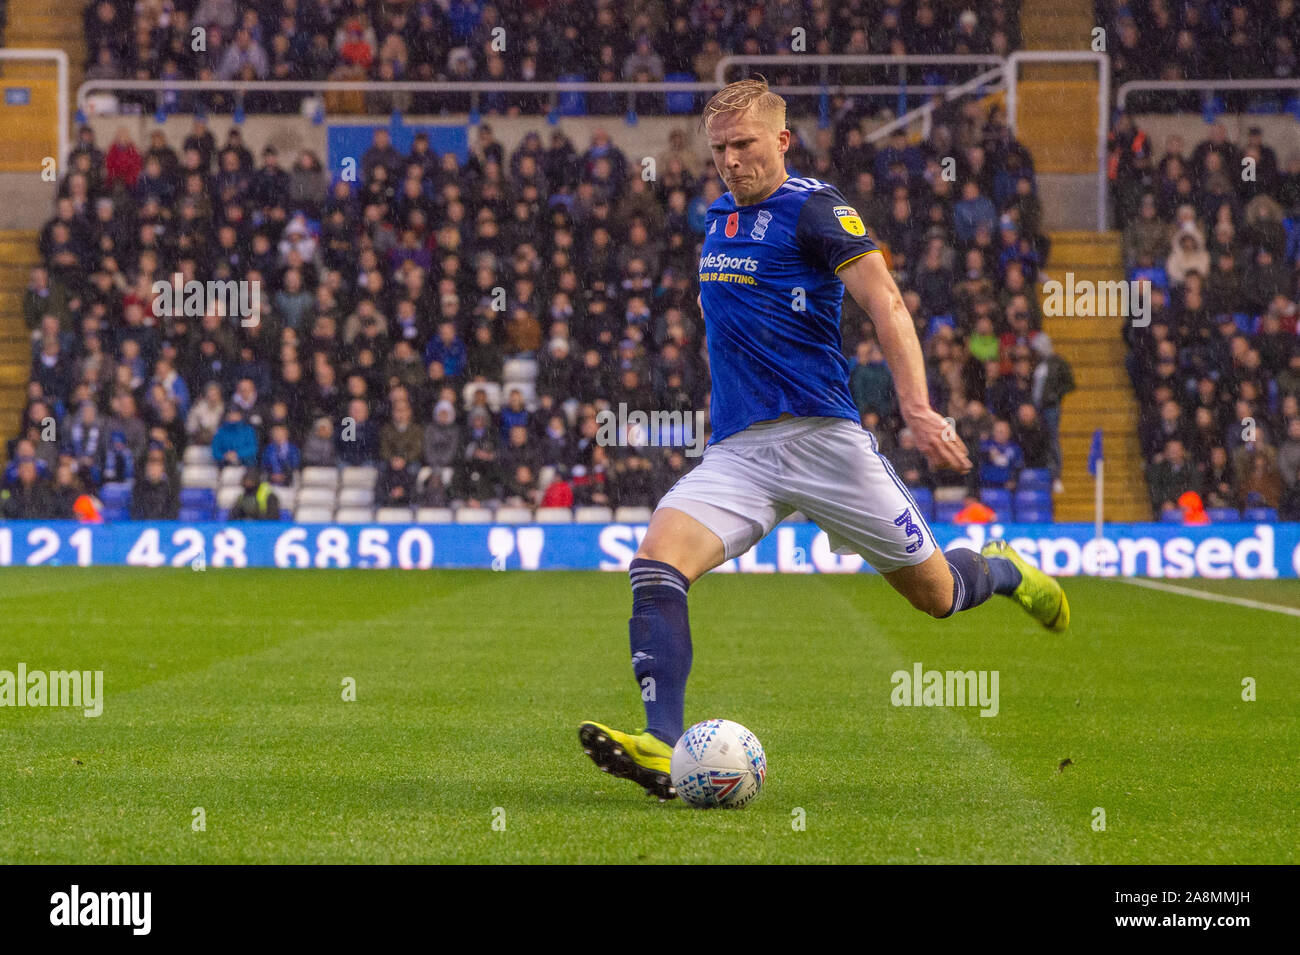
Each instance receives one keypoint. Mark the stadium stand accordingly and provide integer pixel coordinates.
(378, 345)
(1210, 216)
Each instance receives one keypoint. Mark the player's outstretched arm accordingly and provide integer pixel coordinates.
(872, 287)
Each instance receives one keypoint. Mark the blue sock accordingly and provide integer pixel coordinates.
(976, 578)
(660, 633)
(1005, 576)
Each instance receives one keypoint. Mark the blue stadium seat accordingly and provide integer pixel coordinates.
(116, 494)
(571, 104)
(1035, 502)
(195, 514)
(999, 499)
(1034, 515)
(680, 102)
(202, 498)
(924, 501)
(1223, 515)
(1264, 515)
(1035, 479)
(945, 511)
(1171, 517)
(116, 514)
(1033, 497)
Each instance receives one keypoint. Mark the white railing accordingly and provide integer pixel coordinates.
(1103, 106)
(60, 59)
(851, 59)
(1008, 68)
(472, 89)
(1207, 86)
(990, 79)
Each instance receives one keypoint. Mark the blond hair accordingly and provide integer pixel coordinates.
(746, 95)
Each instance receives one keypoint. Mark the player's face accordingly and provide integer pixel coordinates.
(749, 155)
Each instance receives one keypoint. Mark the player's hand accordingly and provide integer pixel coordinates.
(938, 441)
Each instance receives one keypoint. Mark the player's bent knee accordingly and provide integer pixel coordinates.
(677, 539)
(932, 600)
(927, 586)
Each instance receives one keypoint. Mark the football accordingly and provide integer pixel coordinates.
(718, 764)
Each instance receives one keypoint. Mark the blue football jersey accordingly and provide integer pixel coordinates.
(772, 301)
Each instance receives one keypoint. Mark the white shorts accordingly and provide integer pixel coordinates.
(829, 469)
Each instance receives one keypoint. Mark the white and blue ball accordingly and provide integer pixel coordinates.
(718, 764)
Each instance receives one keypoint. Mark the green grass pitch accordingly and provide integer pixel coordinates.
(224, 690)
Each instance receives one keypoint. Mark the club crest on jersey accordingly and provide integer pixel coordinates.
(760, 225)
(849, 220)
(733, 224)
(909, 527)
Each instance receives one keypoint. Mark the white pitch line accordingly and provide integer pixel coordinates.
(1206, 595)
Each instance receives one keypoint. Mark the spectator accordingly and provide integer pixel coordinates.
(480, 477)
(206, 415)
(1000, 458)
(1289, 506)
(1288, 455)
(396, 482)
(971, 212)
(1188, 256)
(1053, 379)
(319, 450)
(154, 497)
(29, 498)
(235, 442)
(119, 460)
(1032, 437)
(358, 438)
(909, 462)
(871, 383)
(1261, 484)
(1219, 480)
(1171, 477)
(257, 501)
(402, 437)
(281, 458)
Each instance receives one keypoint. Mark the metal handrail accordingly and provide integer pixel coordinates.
(1008, 66)
(472, 88)
(926, 111)
(852, 59)
(1103, 106)
(1206, 85)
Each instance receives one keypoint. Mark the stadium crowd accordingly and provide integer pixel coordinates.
(379, 305)
(1215, 228)
(461, 40)
(458, 325)
(1201, 40)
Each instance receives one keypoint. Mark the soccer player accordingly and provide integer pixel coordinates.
(778, 254)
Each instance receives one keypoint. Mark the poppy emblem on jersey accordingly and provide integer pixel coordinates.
(849, 220)
(733, 223)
